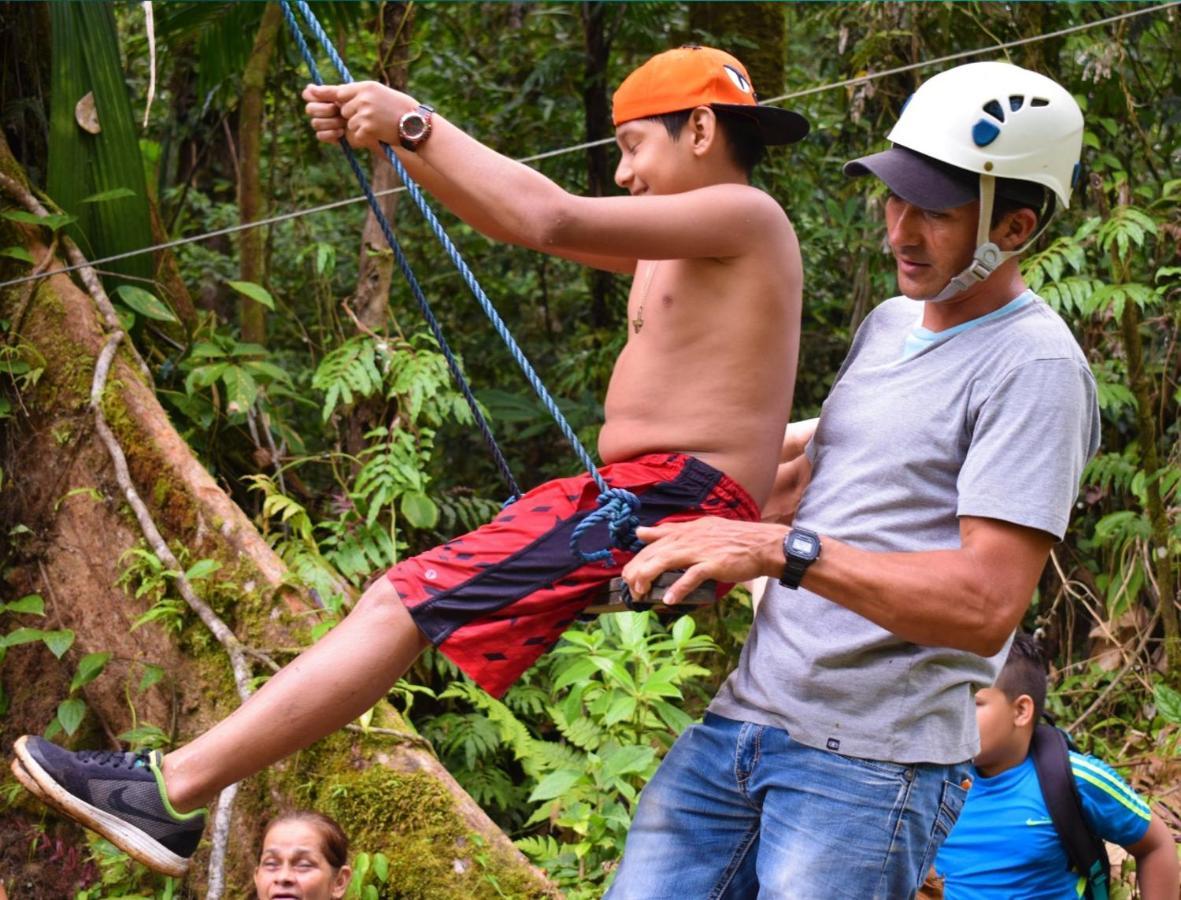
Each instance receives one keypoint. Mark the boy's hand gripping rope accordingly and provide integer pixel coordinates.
(616, 506)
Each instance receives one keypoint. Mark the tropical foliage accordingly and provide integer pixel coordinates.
(350, 445)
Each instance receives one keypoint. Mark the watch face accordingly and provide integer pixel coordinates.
(802, 544)
(413, 126)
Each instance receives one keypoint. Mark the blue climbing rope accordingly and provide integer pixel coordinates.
(617, 507)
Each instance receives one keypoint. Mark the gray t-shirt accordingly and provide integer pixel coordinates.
(996, 421)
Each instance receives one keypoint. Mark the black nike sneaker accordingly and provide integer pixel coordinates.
(116, 794)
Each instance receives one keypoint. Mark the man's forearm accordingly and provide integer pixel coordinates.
(969, 598)
(936, 598)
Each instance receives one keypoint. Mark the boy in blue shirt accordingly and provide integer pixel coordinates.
(1004, 846)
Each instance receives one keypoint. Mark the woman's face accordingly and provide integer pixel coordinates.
(293, 867)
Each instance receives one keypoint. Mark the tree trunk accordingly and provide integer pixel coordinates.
(71, 520)
(375, 272)
(251, 207)
(598, 34)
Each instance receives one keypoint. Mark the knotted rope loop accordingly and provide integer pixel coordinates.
(619, 509)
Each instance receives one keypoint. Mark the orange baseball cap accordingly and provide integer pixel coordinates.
(692, 76)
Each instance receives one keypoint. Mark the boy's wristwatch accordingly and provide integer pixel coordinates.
(801, 548)
(415, 127)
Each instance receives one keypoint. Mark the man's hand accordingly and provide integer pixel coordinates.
(712, 548)
(365, 112)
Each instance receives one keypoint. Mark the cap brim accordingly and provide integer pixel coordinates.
(918, 179)
(777, 126)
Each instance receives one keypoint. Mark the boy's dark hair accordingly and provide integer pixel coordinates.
(1024, 672)
(747, 148)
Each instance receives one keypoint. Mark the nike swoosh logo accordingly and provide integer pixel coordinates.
(1039, 821)
(117, 803)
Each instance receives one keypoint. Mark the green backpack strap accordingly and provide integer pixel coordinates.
(1086, 851)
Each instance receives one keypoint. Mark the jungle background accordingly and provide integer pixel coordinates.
(287, 426)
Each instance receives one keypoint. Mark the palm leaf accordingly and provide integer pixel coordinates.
(85, 49)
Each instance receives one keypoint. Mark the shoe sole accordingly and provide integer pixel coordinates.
(139, 846)
(702, 595)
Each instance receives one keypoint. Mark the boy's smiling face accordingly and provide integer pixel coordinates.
(650, 161)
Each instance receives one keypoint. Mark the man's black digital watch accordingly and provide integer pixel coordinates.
(801, 548)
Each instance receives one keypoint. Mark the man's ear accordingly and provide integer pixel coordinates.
(1015, 228)
(703, 129)
(1024, 711)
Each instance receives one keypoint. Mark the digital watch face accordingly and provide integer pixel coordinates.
(801, 544)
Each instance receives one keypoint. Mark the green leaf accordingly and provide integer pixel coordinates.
(58, 642)
(30, 604)
(70, 714)
(555, 784)
(152, 675)
(1168, 703)
(202, 568)
(626, 760)
(17, 253)
(89, 668)
(53, 221)
(145, 303)
(255, 292)
(381, 867)
(371, 892)
(23, 636)
(325, 258)
(113, 194)
(419, 510)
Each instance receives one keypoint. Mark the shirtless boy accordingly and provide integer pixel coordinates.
(695, 416)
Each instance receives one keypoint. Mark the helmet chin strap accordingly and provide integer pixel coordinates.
(988, 256)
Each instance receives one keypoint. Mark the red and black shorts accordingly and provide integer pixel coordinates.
(497, 598)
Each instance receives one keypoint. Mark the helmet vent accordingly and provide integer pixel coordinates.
(1016, 101)
(984, 133)
(1039, 101)
(994, 109)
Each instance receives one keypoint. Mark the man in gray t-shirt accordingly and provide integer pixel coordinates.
(941, 470)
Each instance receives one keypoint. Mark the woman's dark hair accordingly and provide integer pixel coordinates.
(1024, 672)
(334, 842)
(743, 138)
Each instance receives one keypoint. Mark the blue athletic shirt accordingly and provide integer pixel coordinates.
(1004, 846)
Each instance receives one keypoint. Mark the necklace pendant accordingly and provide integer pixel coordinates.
(638, 323)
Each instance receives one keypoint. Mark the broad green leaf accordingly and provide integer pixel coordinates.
(17, 253)
(30, 604)
(145, 303)
(325, 258)
(555, 784)
(381, 867)
(371, 892)
(70, 714)
(58, 642)
(420, 510)
(53, 221)
(626, 760)
(241, 389)
(1168, 703)
(23, 636)
(255, 292)
(202, 568)
(152, 675)
(89, 668)
(113, 194)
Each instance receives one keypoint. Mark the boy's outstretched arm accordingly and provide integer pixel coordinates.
(1157, 872)
(517, 203)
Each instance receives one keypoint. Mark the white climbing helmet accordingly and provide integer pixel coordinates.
(990, 120)
(994, 118)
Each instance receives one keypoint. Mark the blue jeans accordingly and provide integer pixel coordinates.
(739, 810)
